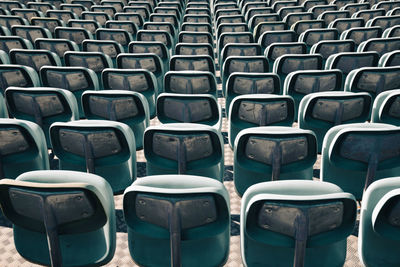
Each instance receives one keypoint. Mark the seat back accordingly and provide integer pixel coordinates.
(17, 75)
(190, 82)
(14, 42)
(57, 46)
(76, 35)
(361, 34)
(386, 108)
(380, 45)
(34, 58)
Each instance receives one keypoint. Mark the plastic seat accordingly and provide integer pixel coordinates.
(23, 148)
(77, 35)
(233, 37)
(251, 64)
(308, 4)
(42, 105)
(386, 5)
(368, 14)
(85, 3)
(373, 80)
(272, 153)
(384, 22)
(392, 32)
(231, 27)
(199, 10)
(343, 24)
(126, 25)
(318, 10)
(287, 11)
(195, 63)
(30, 33)
(181, 226)
(278, 5)
(63, 15)
(136, 80)
(100, 17)
(196, 19)
(330, 16)
(255, 110)
(158, 48)
(269, 37)
(75, 8)
(167, 10)
(108, 9)
(74, 79)
(380, 45)
(390, 59)
(157, 17)
(301, 26)
(121, 37)
(366, 151)
(268, 26)
(239, 49)
(252, 11)
(361, 34)
(355, 7)
(386, 108)
(130, 16)
(190, 82)
(57, 46)
(393, 12)
(17, 75)
(319, 112)
(157, 35)
(26, 13)
(230, 19)
(296, 223)
(40, 6)
(184, 148)
(195, 37)
(147, 4)
(196, 27)
(162, 26)
(109, 48)
(34, 58)
(141, 10)
(292, 18)
(9, 20)
(47, 23)
(189, 108)
(343, 3)
(275, 50)
(89, 25)
(105, 148)
(313, 36)
(117, 5)
(194, 49)
(257, 19)
(123, 106)
(328, 48)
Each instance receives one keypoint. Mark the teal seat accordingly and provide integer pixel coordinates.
(17, 75)
(136, 80)
(108, 9)
(158, 36)
(121, 36)
(272, 153)
(296, 223)
(229, 19)
(378, 239)
(126, 25)
(392, 31)
(30, 33)
(261, 18)
(190, 82)
(40, 6)
(23, 148)
(302, 25)
(76, 35)
(243, 83)
(194, 49)
(58, 46)
(8, 5)
(184, 148)
(355, 155)
(130, 16)
(74, 79)
(373, 80)
(278, 5)
(90, 25)
(328, 48)
(171, 18)
(386, 108)
(282, 36)
(195, 37)
(368, 14)
(308, 4)
(123, 106)
(342, 24)
(168, 10)
(10, 20)
(189, 108)
(99, 16)
(158, 48)
(239, 49)
(256, 8)
(387, 6)
(190, 18)
(291, 18)
(319, 112)
(380, 45)
(275, 50)
(361, 34)
(313, 36)
(34, 58)
(254, 110)
(105, 148)
(330, 16)
(196, 27)
(233, 37)
(268, 26)
(42, 105)
(231, 28)
(142, 10)
(61, 218)
(319, 9)
(192, 63)
(185, 222)
(161, 26)
(118, 5)
(384, 22)
(109, 48)
(74, 8)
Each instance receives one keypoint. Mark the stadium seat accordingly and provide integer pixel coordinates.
(330, 16)
(386, 108)
(191, 62)
(100, 17)
(17, 75)
(196, 27)
(194, 49)
(313, 36)
(58, 46)
(10, 42)
(267, 27)
(270, 37)
(34, 58)
(318, 10)
(74, 8)
(47, 23)
(63, 15)
(190, 82)
(301, 26)
(292, 18)
(239, 49)
(120, 36)
(384, 22)
(130, 16)
(342, 24)
(275, 50)
(380, 45)
(329, 47)
(40, 6)
(109, 48)
(157, 35)
(126, 25)
(368, 14)
(161, 26)
(9, 20)
(77, 35)
(361, 34)
(355, 7)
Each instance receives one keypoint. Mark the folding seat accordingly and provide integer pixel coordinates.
(30, 33)
(361, 34)
(14, 42)
(292, 18)
(75, 8)
(252, 64)
(253, 8)
(190, 82)
(105, 148)
(17, 75)
(239, 49)
(128, 26)
(384, 22)
(366, 151)
(168, 10)
(9, 20)
(109, 10)
(390, 59)
(196, 27)
(63, 15)
(136, 80)
(42, 105)
(328, 48)
(133, 17)
(227, 12)
(121, 37)
(196, 18)
(34, 58)
(267, 27)
(318, 10)
(301, 26)
(271, 153)
(161, 26)
(198, 11)
(308, 4)
(158, 48)
(140, 4)
(123, 106)
(286, 10)
(107, 47)
(155, 17)
(8, 5)
(157, 35)
(386, 108)
(47, 23)
(313, 36)
(76, 35)
(257, 19)
(329, 16)
(231, 27)
(270, 37)
(342, 3)
(184, 148)
(23, 148)
(142, 10)
(380, 45)
(40, 6)
(26, 13)
(233, 37)
(319, 112)
(369, 14)
(276, 7)
(192, 62)
(146, 61)
(189, 108)
(296, 223)
(85, 3)
(347, 23)
(256, 110)
(181, 226)
(394, 12)
(100, 17)
(117, 5)
(3, 107)
(275, 50)
(195, 37)
(386, 5)
(56, 3)
(391, 32)
(90, 25)
(353, 8)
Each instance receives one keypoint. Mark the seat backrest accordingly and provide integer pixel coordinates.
(194, 49)
(108, 47)
(155, 35)
(190, 82)
(380, 45)
(58, 46)
(76, 35)
(368, 14)
(313, 36)
(329, 16)
(190, 62)
(17, 75)
(89, 24)
(361, 34)
(390, 59)
(302, 25)
(10, 20)
(275, 50)
(100, 17)
(130, 16)
(10, 42)
(327, 48)
(268, 26)
(75, 8)
(34, 58)
(239, 49)
(96, 61)
(47, 23)
(386, 108)
(64, 15)
(126, 25)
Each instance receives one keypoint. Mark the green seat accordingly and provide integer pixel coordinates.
(121, 36)
(318, 10)
(270, 37)
(355, 7)
(343, 3)
(254, 110)
(384, 22)
(85, 3)
(256, 8)
(123, 106)
(8, 5)
(379, 229)
(61, 218)
(190, 18)
(302, 25)
(296, 223)
(291, 18)
(186, 221)
(126, 25)
(380, 45)
(167, 10)
(361, 34)
(392, 31)
(30, 33)
(373, 80)
(58, 46)
(368, 14)
(233, 37)
(239, 49)
(190, 82)
(74, 8)
(231, 27)
(196, 27)
(313, 36)
(130, 16)
(76, 35)
(275, 50)
(189, 108)
(99, 16)
(105, 148)
(10, 20)
(355, 155)
(42, 105)
(17, 75)
(64, 15)
(319, 112)
(108, 9)
(40, 6)
(268, 26)
(272, 153)
(194, 49)
(229, 19)
(184, 148)
(34, 58)
(146, 4)
(171, 18)
(90, 25)
(142, 10)
(195, 37)
(342, 24)
(386, 108)
(161, 26)
(278, 5)
(109, 48)
(327, 48)
(23, 148)
(158, 36)
(136, 80)
(330, 16)
(308, 4)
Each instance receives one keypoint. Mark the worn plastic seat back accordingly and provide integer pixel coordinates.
(120, 36)
(73, 210)
(9, 20)
(319, 112)
(34, 58)
(76, 35)
(386, 108)
(313, 36)
(328, 48)
(74, 8)
(272, 153)
(43, 106)
(14, 42)
(158, 48)
(191, 62)
(361, 34)
(47, 23)
(30, 33)
(130, 16)
(181, 226)
(190, 82)
(369, 14)
(194, 49)
(380, 45)
(275, 50)
(105, 148)
(126, 25)
(296, 223)
(23, 148)
(90, 25)
(302, 25)
(17, 75)
(156, 35)
(270, 37)
(184, 148)
(239, 49)
(392, 32)
(268, 26)
(355, 155)
(124, 106)
(57, 46)
(109, 48)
